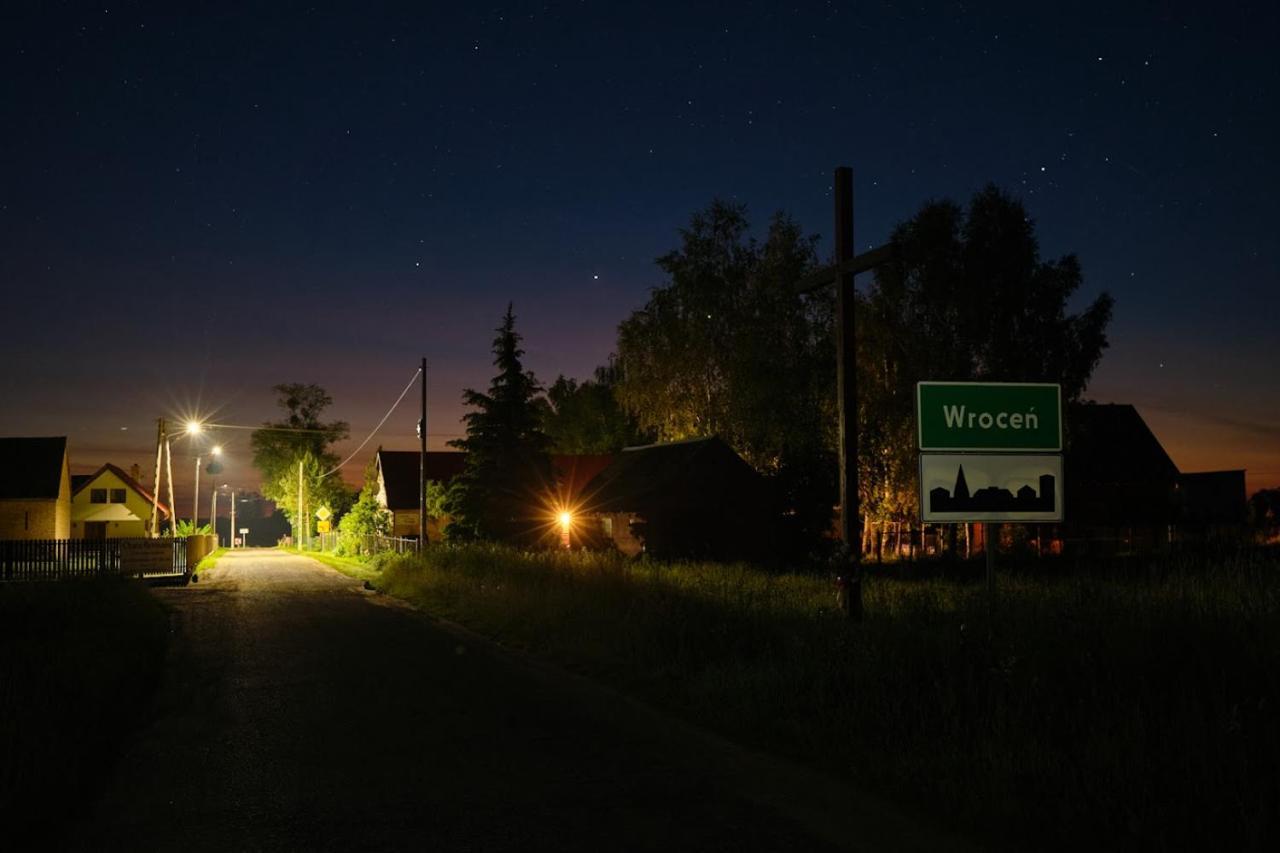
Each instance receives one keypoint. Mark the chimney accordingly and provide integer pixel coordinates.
(135, 472)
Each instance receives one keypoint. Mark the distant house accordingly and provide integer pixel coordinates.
(1214, 505)
(1123, 492)
(398, 482)
(35, 488)
(694, 498)
(111, 504)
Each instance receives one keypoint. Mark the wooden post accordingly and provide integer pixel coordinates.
(422, 464)
(298, 534)
(155, 496)
(847, 386)
(173, 504)
(990, 535)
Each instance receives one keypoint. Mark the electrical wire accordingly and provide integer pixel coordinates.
(368, 438)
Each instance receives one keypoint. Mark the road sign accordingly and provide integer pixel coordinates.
(323, 526)
(1000, 416)
(990, 487)
(238, 542)
(323, 513)
(244, 530)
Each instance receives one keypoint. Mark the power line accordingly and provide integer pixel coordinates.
(340, 465)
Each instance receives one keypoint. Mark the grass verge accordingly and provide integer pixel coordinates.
(80, 661)
(208, 561)
(1127, 713)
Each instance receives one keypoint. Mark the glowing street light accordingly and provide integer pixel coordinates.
(194, 428)
(566, 524)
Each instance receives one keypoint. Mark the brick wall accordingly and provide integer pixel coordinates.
(33, 519)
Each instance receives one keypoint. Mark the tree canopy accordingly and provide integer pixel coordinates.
(967, 297)
(502, 492)
(300, 437)
(730, 347)
(585, 417)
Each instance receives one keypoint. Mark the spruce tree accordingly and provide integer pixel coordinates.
(503, 493)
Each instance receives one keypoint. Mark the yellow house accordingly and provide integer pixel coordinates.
(35, 488)
(111, 504)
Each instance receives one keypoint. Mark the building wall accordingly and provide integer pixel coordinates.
(62, 507)
(616, 526)
(127, 520)
(27, 519)
(405, 523)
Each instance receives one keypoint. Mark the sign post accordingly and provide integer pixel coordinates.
(990, 452)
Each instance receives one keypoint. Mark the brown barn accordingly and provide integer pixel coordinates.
(694, 498)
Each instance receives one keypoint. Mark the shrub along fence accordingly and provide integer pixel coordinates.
(66, 559)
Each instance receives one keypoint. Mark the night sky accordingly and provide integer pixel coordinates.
(195, 207)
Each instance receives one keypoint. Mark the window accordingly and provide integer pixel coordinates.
(117, 496)
(97, 496)
(606, 525)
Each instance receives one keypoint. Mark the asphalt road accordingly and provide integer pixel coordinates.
(302, 712)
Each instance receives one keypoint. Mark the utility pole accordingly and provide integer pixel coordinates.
(213, 517)
(155, 491)
(173, 504)
(231, 540)
(298, 531)
(847, 387)
(422, 463)
(195, 499)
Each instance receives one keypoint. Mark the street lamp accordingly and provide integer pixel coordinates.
(193, 428)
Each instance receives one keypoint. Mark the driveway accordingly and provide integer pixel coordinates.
(302, 712)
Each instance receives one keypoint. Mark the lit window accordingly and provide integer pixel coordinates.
(117, 496)
(606, 525)
(97, 496)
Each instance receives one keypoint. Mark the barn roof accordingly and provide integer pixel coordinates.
(31, 468)
(400, 473)
(685, 475)
(1116, 471)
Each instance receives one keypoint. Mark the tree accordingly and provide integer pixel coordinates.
(502, 494)
(966, 298)
(366, 517)
(301, 437)
(586, 417)
(730, 347)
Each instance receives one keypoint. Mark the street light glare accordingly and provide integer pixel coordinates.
(217, 450)
(566, 518)
(193, 428)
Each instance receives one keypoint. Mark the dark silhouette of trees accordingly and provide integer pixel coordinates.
(728, 347)
(502, 494)
(967, 298)
(585, 417)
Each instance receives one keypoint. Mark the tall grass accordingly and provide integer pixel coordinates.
(1091, 712)
(78, 662)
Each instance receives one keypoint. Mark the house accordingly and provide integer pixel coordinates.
(695, 498)
(111, 504)
(1214, 505)
(35, 488)
(398, 486)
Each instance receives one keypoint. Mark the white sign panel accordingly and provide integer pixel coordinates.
(990, 487)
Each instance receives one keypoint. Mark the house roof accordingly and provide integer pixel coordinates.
(689, 475)
(1115, 470)
(31, 468)
(1214, 497)
(81, 481)
(400, 473)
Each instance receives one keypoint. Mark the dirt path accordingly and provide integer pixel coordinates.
(302, 712)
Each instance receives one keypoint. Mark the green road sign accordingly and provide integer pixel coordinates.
(1001, 416)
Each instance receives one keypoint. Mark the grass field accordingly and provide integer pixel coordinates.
(78, 663)
(1096, 712)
